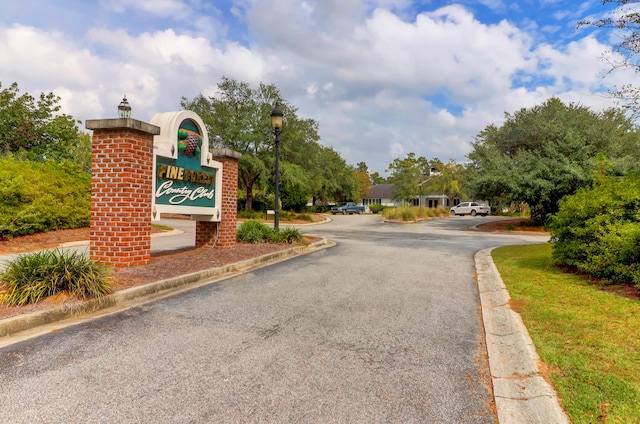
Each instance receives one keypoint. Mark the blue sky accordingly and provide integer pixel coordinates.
(382, 77)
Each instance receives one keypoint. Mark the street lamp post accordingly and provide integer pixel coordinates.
(276, 123)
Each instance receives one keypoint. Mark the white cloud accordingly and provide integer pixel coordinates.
(30, 53)
(381, 79)
(164, 8)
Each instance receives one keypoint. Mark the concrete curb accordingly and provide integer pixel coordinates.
(134, 296)
(154, 235)
(521, 393)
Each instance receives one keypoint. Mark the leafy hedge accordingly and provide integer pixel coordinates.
(42, 196)
(597, 231)
(256, 232)
(375, 208)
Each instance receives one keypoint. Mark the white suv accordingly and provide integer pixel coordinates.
(472, 208)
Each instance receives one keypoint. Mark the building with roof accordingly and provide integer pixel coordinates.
(382, 194)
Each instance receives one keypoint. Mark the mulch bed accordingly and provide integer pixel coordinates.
(163, 265)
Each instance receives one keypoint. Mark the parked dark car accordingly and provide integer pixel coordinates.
(347, 208)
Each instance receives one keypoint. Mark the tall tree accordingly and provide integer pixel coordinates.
(34, 129)
(364, 179)
(335, 180)
(376, 178)
(541, 154)
(241, 116)
(623, 25)
(446, 178)
(407, 176)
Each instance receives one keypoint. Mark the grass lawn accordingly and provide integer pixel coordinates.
(589, 338)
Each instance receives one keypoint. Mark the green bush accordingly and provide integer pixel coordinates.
(251, 214)
(54, 196)
(375, 208)
(287, 216)
(256, 232)
(597, 231)
(318, 209)
(304, 217)
(30, 277)
(253, 232)
(408, 214)
(286, 235)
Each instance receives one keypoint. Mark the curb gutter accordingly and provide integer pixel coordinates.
(135, 296)
(521, 393)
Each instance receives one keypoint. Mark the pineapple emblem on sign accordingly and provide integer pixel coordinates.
(189, 142)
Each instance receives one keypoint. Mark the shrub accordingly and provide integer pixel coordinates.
(391, 213)
(250, 214)
(375, 208)
(30, 277)
(257, 232)
(287, 216)
(286, 235)
(318, 209)
(412, 213)
(304, 217)
(442, 211)
(252, 231)
(597, 231)
(408, 214)
(54, 196)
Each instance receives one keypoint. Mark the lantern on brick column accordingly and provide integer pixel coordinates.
(124, 110)
(217, 142)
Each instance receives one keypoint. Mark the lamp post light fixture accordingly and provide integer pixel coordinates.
(217, 142)
(276, 123)
(124, 110)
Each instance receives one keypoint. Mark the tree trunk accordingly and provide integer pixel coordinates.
(248, 184)
(248, 203)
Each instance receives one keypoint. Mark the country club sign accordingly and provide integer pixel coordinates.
(186, 178)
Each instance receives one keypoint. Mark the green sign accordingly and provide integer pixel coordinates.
(183, 181)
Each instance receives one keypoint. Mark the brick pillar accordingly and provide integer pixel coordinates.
(222, 235)
(121, 191)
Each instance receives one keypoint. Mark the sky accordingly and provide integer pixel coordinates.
(382, 78)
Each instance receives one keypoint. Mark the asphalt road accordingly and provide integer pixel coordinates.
(382, 328)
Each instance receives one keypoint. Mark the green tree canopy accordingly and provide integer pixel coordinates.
(407, 175)
(446, 178)
(376, 178)
(241, 116)
(34, 130)
(541, 154)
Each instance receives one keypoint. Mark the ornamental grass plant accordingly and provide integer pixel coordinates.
(34, 276)
(413, 213)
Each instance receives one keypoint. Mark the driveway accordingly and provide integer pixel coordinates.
(382, 328)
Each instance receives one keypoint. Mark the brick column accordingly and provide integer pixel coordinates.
(121, 191)
(222, 235)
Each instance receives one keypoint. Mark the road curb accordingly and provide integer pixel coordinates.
(13, 326)
(521, 393)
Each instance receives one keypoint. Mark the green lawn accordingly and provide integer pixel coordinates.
(589, 338)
